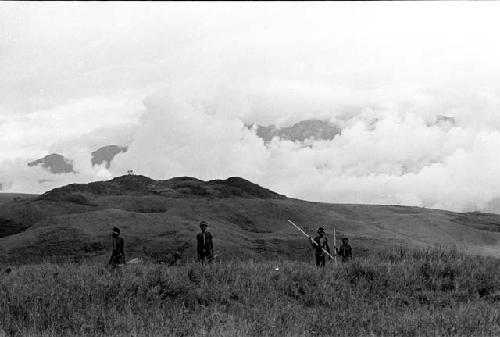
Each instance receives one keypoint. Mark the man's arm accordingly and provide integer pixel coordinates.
(327, 248)
(123, 250)
(211, 245)
(313, 242)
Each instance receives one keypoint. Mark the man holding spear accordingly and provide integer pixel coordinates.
(320, 243)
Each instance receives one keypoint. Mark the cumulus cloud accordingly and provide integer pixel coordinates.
(31, 135)
(417, 103)
(73, 130)
(382, 156)
(16, 176)
(178, 137)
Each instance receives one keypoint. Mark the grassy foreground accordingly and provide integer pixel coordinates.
(396, 293)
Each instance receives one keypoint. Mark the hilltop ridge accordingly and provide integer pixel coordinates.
(175, 187)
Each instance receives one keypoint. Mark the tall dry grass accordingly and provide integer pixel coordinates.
(394, 293)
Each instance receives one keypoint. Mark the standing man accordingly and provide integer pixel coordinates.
(205, 247)
(118, 255)
(319, 243)
(345, 250)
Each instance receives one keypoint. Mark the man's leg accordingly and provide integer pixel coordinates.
(112, 262)
(203, 257)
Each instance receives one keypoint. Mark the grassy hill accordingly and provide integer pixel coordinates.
(247, 221)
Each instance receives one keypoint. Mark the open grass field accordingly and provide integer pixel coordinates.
(57, 245)
(398, 292)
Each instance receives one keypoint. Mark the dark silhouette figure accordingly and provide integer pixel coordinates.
(175, 258)
(319, 243)
(345, 250)
(204, 247)
(118, 255)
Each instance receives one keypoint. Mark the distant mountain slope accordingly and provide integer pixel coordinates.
(8, 197)
(106, 154)
(315, 129)
(247, 221)
(57, 163)
(54, 163)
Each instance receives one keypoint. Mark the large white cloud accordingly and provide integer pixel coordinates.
(178, 83)
(382, 156)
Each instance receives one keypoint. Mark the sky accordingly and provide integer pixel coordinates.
(413, 86)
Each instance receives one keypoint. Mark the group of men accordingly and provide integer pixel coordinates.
(322, 249)
(205, 247)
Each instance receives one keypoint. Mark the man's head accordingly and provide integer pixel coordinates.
(116, 232)
(321, 231)
(345, 241)
(203, 225)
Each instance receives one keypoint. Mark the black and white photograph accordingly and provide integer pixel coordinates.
(250, 169)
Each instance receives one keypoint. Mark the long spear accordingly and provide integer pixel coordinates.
(323, 249)
(335, 244)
